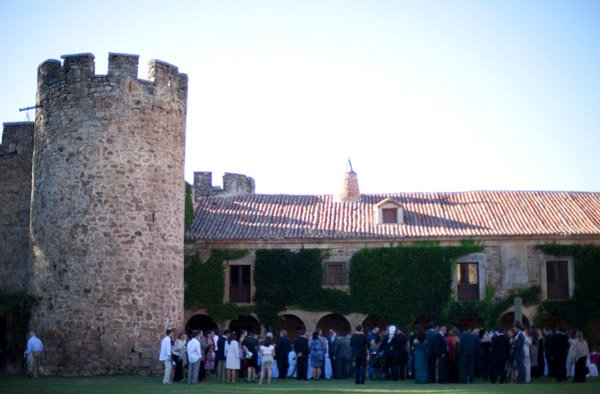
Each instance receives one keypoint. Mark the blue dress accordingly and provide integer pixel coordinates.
(420, 353)
(317, 353)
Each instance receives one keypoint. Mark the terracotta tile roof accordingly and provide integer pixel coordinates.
(478, 214)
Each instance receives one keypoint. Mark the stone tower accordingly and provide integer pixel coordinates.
(107, 212)
(16, 153)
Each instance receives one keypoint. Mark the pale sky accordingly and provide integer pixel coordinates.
(422, 95)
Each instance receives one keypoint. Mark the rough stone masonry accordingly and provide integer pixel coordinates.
(106, 222)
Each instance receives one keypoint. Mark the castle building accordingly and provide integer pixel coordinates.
(92, 198)
(509, 224)
(91, 224)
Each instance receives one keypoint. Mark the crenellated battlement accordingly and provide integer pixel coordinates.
(80, 68)
(232, 184)
(122, 65)
(15, 137)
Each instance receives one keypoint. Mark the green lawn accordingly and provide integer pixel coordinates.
(148, 385)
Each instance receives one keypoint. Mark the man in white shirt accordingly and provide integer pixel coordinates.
(165, 355)
(32, 353)
(194, 356)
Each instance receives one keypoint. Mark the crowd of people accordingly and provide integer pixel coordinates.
(432, 354)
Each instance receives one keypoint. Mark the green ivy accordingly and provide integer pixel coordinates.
(404, 282)
(489, 309)
(284, 278)
(189, 207)
(204, 284)
(582, 308)
(19, 305)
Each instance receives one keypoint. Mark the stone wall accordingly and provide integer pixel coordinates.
(233, 184)
(107, 213)
(15, 196)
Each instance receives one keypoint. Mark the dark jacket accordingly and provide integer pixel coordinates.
(441, 347)
(301, 346)
(559, 346)
(500, 350)
(220, 353)
(282, 348)
(359, 345)
(468, 344)
(341, 349)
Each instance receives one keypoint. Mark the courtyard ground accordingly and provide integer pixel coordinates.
(149, 385)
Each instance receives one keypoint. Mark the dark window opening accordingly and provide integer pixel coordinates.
(557, 280)
(467, 279)
(239, 283)
(335, 274)
(389, 215)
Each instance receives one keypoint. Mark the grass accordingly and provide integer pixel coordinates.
(148, 385)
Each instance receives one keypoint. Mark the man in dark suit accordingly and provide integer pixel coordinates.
(282, 350)
(301, 349)
(341, 350)
(220, 356)
(360, 346)
(468, 347)
(548, 351)
(331, 340)
(401, 343)
(519, 352)
(559, 349)
(390, 348)
(499, 353)
(430, 335)
(441, 351)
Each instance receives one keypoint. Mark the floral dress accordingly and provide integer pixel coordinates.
(317, 353)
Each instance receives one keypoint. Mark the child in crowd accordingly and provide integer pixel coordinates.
(209, 361)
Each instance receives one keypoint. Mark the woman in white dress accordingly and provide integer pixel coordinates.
(232, 357)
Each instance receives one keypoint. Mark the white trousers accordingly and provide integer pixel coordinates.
(168, 367)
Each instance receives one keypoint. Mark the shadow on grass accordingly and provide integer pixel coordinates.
(149, 385)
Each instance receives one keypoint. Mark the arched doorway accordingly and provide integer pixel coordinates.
(594, 337)
(292, 324)
(245, 322)
(471, 322)
(375, 321)
(336, 322)
(200, 322)
(508, 319)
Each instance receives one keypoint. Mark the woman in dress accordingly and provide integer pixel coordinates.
(420, 354)
(452, 343)
(232, 357)
(267, 351)
(317, 355)
(579, 353)
(179, 352)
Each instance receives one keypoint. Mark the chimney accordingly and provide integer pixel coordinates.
(350, 192)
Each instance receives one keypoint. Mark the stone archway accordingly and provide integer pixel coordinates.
(373, 321)
(472, 322)
(507, 320)
(200, 322)
(336, 322)
(290, 323)
(245, 322)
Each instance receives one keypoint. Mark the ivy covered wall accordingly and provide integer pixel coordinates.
(405, 282)
(584, 306)
(400, 284)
